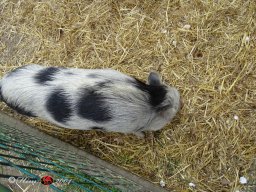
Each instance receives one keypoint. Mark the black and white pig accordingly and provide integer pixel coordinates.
(87, 99)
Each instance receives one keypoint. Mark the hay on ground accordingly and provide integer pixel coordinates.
(204, 48)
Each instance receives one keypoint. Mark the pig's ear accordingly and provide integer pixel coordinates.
(154, 79)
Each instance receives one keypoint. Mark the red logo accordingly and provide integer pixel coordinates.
(46, 180)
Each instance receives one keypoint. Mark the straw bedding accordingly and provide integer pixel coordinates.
(204, 48)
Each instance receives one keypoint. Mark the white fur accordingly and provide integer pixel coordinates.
(129, 105)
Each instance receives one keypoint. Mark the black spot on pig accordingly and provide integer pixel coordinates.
(69, 73)
(58, 104)
(92, 106)
(98, 128)
(45, 75)
(140, 129)
(104, 84)
(157, 94)
(93, 76)
(1, 93)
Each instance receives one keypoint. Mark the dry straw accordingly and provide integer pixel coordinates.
(204, 48)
